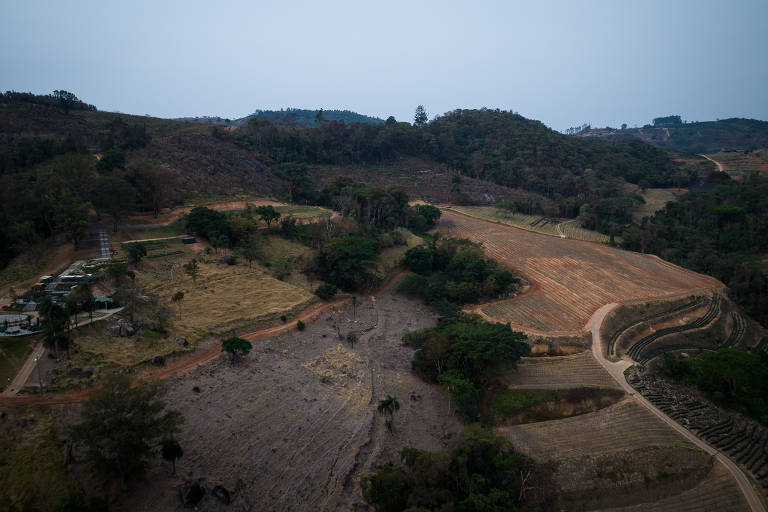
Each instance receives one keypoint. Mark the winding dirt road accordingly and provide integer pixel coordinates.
(616, 370)
(718, 164)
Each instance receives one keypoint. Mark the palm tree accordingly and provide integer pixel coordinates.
(388, 405)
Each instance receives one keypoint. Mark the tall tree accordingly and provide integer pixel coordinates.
(192, 269)
(420, 118)
(71, 217)
(114, 196)
(171, 450)
(120, 428)
(235, 346)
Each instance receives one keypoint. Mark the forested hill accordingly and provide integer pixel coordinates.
(494, 145)
(699, 137)
(722, 232)
(293, 117)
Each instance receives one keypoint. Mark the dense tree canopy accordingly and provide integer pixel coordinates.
(483, 473)
(722, 232)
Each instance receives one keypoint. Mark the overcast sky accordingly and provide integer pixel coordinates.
(564, 63)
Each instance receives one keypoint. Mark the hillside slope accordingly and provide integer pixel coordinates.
(699, 137)
(290, 116)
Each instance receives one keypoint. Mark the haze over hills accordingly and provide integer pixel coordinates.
(290, 116)
(734, 134)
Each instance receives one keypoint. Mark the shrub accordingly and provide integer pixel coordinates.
(326, 291)
(419, 259)
(301, 325)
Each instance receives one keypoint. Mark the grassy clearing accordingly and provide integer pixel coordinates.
(507, 402)
(203, 200)
(655, 200)
(224, 297)
(278, 247)
(13, 353)
(33, 473)
(29, 264)
(569, 229)
(175, 228)
(391, 257)
(303, 212)
(161, 255)
(97, 348)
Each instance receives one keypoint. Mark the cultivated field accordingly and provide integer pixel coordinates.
(740, 163)
(536, 223)
(571, 279)
(716, 493)
(560, 372)
(618, 456)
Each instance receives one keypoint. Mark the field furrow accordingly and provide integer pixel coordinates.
(562, 372)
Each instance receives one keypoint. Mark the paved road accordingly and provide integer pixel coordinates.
(616, 370)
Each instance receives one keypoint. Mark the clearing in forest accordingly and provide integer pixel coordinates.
(571, 279)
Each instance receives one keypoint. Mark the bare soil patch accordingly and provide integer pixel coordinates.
(295, 422)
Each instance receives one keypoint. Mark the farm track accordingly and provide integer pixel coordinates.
(616, 370)
(571, 279)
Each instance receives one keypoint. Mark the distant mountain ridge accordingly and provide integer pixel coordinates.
(291, 117)
(732, 134)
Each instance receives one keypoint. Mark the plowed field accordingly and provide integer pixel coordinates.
(562, 372)
(571, 278)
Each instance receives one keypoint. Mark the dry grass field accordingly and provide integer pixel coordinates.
(224, 297)
(621, 455)
(655, 200)
(571, 278)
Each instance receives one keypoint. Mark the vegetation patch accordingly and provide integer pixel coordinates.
(516, 407)
(33, 473)
(730, 378)
(482, 473)
(13, 353)
(452, 272)
(464, 355)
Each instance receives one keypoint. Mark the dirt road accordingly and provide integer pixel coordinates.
(616, 370)
(718, 164)
(188, 364)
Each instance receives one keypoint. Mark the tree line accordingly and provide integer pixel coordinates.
(722, 232)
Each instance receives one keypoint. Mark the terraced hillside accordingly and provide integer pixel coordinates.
(743, 439)
(615, 456)
(694, 323)
(571, 278)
